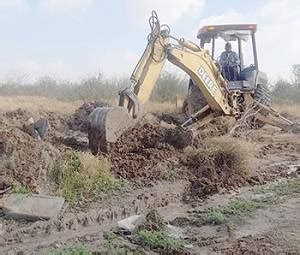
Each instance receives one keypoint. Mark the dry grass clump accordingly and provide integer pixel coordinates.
(221, 163)
(36, 103)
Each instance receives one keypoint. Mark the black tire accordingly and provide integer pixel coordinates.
(262, 94)
(195, 100)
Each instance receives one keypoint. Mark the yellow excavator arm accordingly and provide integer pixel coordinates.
(195, 61)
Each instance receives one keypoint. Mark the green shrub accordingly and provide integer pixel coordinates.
(262, 197)
(214, 216)
(83, 175)
(74, 250)
(157, 240)
(285, 92)
(19, 188)
(93, 88)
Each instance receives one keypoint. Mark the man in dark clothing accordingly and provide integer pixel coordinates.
(229, 62)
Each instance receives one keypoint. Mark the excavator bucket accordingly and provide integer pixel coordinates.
(106, 125)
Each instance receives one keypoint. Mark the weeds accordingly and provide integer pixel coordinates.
(239, 207)
(280, 189)
(113, 246)
(214, 216)
(82, 175)
(157, 240)
(73, 250)
(262, 197)
(154, 222)
(153, 235)
(19, 188)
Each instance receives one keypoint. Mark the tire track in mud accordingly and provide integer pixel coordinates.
(42, 234)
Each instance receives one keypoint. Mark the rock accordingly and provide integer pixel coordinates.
(131, 223)
(32, 207)
(262, 197)
(42, 126)
(38, 129)
(175, 232)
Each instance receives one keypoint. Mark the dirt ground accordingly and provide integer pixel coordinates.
(159, 174)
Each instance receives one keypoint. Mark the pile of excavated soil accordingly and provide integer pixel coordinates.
(79, 120)
(136, 155)
(57, 124)
(14, 118)
(219, 126)
(26, 160)
(139, 150)
(220, 164)
(17, 118)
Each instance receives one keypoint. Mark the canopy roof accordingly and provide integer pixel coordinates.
(227, 32)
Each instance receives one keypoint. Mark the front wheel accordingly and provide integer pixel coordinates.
(262, 94)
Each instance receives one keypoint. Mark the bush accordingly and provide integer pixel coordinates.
(221, 162)
(153, 235)
(157, 240)
(93, 88)
(285, 92)
(19, 188)
(73, 250)
(168, 88)
(214, 216)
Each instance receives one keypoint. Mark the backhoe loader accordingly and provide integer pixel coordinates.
(214, 94)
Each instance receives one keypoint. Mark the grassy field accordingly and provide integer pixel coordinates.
(37, 103)
(290, 109)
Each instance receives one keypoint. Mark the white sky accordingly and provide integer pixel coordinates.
(71, 39)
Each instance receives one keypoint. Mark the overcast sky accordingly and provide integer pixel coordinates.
(72, 39)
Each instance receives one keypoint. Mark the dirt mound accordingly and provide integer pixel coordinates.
(218, 127)
(17, 118)
(271, 243)
(179, 138)
(221, 163)
(79, 120)
(26, 160)
(57, 122)
(14, 118)
(74, 139)
(59, 131)
(138, 150)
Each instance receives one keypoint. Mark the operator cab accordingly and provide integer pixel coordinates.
(244, 74)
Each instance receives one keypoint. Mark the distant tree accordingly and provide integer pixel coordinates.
(286, 92)
(168, 87)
